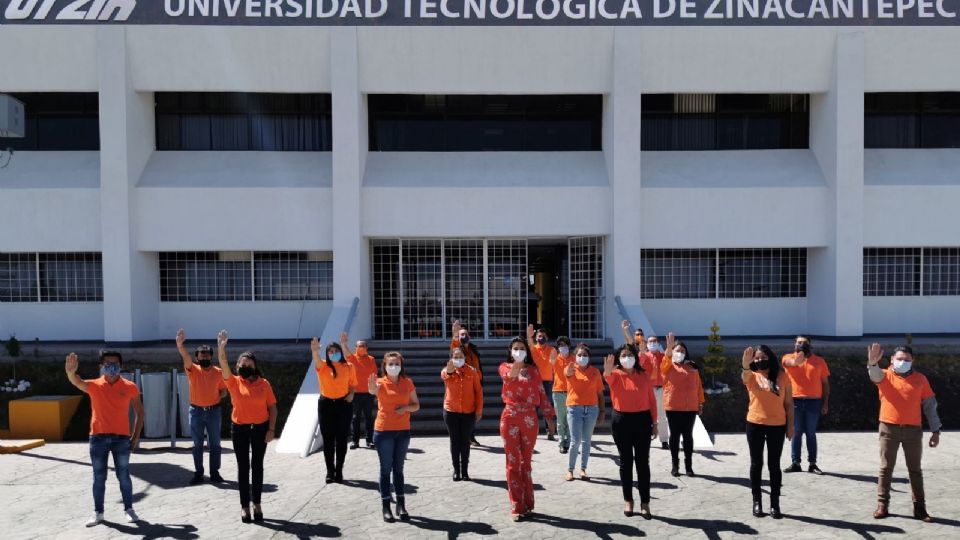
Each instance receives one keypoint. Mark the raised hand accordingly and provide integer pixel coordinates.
(181, 338)
(874, 354)
(530, 331)
(450, 366)
(456, 328)
(72, 363)
(315, 345)
(671, 341)
(344, 337)
(608, 363)
(747, 357)
(553, 356)
(222, 339)
(625, 324)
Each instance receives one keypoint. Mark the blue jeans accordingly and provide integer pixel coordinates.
(806, 416)
(392, 450)
(582, 419)
(205, 421)
(100, 447)
(548, 388)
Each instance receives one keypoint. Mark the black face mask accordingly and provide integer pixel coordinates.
(246, 372)
(541, 340)
(804, 348)
(204, 363)
(465, 339)
(760, 365)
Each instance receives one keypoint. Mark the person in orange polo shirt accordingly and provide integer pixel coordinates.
(769, 420)
(111, 397)
(682, 400)
(462, 408)
(585, 408)
(541, 351)
(811, 392)
(559, 360)
(206, 391)
(364, 404)
(461, 340)
(337, 381)
(254, 423)
(396, 400)
(904, 394)
(651, 358)
(634, 423)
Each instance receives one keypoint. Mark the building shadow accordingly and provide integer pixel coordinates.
(61, 460)
(865, 530)
(710, 527)
(155, 531)
(864, 478)
(601, 529)
(300, 530)
(408, 489)
(500, 484)
(453, 528)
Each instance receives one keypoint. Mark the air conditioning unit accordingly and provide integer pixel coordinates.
(12, 121)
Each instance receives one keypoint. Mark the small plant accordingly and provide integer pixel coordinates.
(12, 346)
(715, 363)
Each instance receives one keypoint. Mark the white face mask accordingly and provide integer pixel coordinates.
(902, 366)
(519, 355)
(564, 351)
(653, 347)
(678, 357)
(582, 361)
(628, 362)
(458, 363)
(393, 369)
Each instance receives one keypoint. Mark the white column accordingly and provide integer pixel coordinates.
(621, 148)
(130, 277)
(835, 273)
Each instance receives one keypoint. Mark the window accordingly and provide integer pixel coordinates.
(912, 120)
(473, 123)
(724, 121)
(724, 273)
(926, 271)
(243, 276)
(58, 121)
(51, 277)
(243, 121)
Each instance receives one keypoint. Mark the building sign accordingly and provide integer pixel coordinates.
(485, 12)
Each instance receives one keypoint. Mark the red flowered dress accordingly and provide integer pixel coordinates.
(518, 428)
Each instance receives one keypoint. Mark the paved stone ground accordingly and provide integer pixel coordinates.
(45, 494)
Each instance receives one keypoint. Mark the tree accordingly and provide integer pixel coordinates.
(715, 363)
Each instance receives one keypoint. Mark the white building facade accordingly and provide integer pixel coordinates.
(827, 234)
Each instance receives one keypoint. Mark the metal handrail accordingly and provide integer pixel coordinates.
(622, 309)
(352, 314)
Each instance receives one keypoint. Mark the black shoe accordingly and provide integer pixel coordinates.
(814, 469)
(456, 476)
(330, 478)
(550, 437)
(474, 442)
(402, 510)
(257, 517)
(920, 512)
(245, 516)
(794, 467)
(757, 509)
(197, 479)
(465, 476)
(338, 477)
(387, 514)
(564, 449)
(665, 446)
(216, 478)
(775, 507)
(354, 445)
(369, 443)
(675, 469)
(690, 472)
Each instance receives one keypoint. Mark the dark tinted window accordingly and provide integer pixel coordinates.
(58, 121)
(912, 120)
(472, 123)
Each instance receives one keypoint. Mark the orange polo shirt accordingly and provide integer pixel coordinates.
(205, 385)
(901, 397)
(110, 405)
(682, 387)
(471, 359)
(336, 387)
(651, 364)
(363, 367)
(250, 399)
(541, 357)
(766, 407)
(584, 386)
(391, 395)
(463, 392)
(559, 372)
(632, 392)
(807, 378)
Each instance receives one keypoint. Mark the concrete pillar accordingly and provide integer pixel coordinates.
(130, 277)
(835, 273)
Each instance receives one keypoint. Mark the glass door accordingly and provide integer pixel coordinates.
(586, 287)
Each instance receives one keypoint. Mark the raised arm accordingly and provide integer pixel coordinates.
(315, 353)
(874, 354)
(345, 344)
(530, 333)
(71, 368)
(667, 359)
(372, 385)
(222, 339)
(184, 353)
(137, 421)
(455, 334)
(608, 366)
(745, 373)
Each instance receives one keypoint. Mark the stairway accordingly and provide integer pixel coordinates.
(424, 360)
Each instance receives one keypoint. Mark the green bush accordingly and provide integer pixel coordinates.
(13, 346)
(714, 362)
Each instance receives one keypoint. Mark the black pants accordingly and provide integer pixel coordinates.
(246, 438)
(335, 417)
(772, 436)
(631, 433)
(460, 428)
(364, 413)
(681, 423)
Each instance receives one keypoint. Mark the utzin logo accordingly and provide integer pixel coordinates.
(70, 10)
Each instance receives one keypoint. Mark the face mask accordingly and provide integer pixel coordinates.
(582, 361)
(464, 339)
(246, 372)
(760, 365)
(628, 362)
(519, 355)
(393, 370)
(205, 363)
(564, 351)
(335, 357)
(804, 348)
(458, 363)
(678, 357)
(653, 347)
(541, 340)
(110, 370)
(902, 366)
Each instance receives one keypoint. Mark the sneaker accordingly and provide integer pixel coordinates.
(794, 467)
(96, 519)
(814, 469)
(369, 443)
(132, 516)
(197, 479)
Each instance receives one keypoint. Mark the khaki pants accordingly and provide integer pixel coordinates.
(891, 437)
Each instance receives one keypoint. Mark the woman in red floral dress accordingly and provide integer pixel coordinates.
(522, 394)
